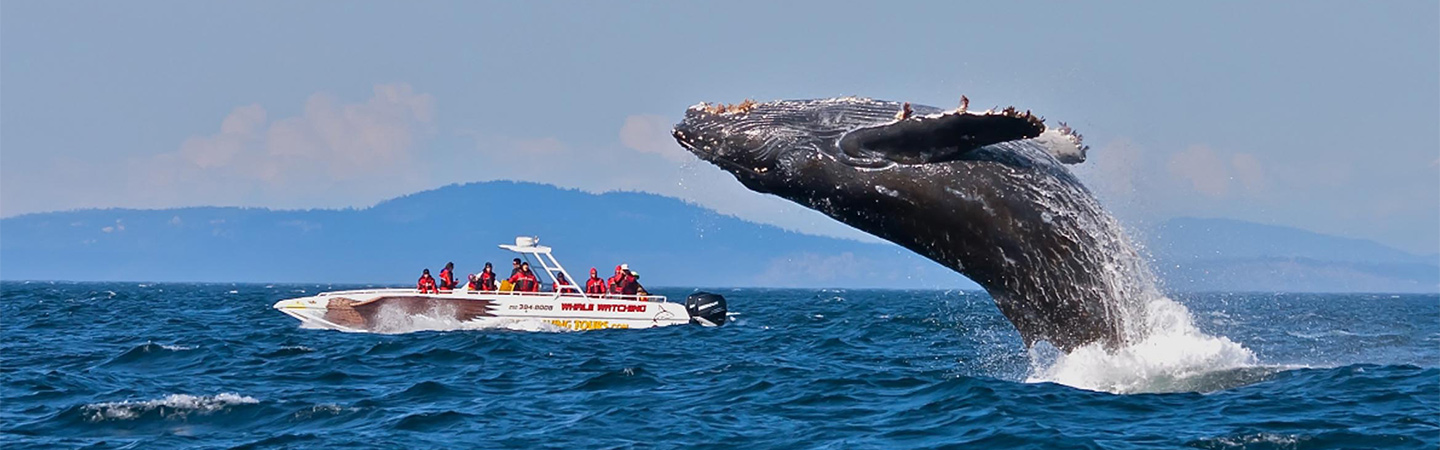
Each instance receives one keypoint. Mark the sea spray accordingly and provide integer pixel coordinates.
(1162, 349)
(1169, 357)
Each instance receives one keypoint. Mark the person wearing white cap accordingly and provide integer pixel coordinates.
(628, 285)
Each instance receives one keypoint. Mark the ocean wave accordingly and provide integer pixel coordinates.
(174, 406)
(1327, 439)
(942, 370)
(321, 410)
(1253, 440)
(430, 421)
(288, 350)
(150, 351)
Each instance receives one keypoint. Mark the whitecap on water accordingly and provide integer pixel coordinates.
(322, 410)
(1265, 440)
(174, 406)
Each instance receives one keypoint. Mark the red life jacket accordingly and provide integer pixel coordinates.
(562, 283)
(447, 279)
(426, 284)
(487, 281)
(595, 285)
(525, 282)
(629, 286)
(613, 283)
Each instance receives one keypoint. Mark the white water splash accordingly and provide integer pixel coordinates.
(1165, 351)
(1173, 356)
(175, 406)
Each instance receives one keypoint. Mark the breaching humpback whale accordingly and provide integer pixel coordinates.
(983, 193)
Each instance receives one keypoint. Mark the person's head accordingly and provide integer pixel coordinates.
(594, 273)
(515, 262)
(525, 267)
(488, 268)
(449, 265)
(619, 269)
(426, 272)
(560, 276)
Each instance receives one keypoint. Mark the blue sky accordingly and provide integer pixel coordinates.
(1319, 115)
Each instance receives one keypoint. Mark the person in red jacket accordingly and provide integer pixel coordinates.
(487, 278)
(525, 280)
(427, 283)
(563, 283)
(595, 285)
(630, 285)
(447, 277)
(613, 283)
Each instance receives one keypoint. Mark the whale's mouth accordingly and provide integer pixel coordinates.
(707, 147)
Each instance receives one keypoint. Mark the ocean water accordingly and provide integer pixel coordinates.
(112, 365)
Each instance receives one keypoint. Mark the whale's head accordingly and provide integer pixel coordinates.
(767, 145)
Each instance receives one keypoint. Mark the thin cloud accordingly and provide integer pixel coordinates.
(1249, 172)
(329, 156)
(1205, 171)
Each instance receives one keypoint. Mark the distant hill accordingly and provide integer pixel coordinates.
(1232, 255)
(668, 241)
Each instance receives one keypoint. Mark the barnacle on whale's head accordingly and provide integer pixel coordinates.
(722, 108)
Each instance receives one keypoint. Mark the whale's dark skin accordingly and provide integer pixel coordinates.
(985, 194)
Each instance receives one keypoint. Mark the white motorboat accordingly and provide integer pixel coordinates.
(568, 307)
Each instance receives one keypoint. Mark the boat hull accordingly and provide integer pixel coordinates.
(379, 310)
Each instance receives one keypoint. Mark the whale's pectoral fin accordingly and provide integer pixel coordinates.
(931, 139)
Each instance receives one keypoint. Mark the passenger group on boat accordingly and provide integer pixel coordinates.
(522, 279)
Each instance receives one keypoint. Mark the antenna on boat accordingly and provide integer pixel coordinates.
(527, 246)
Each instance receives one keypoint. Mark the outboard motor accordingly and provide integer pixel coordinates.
(706, 309)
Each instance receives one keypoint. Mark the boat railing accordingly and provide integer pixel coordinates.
(467, 292)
